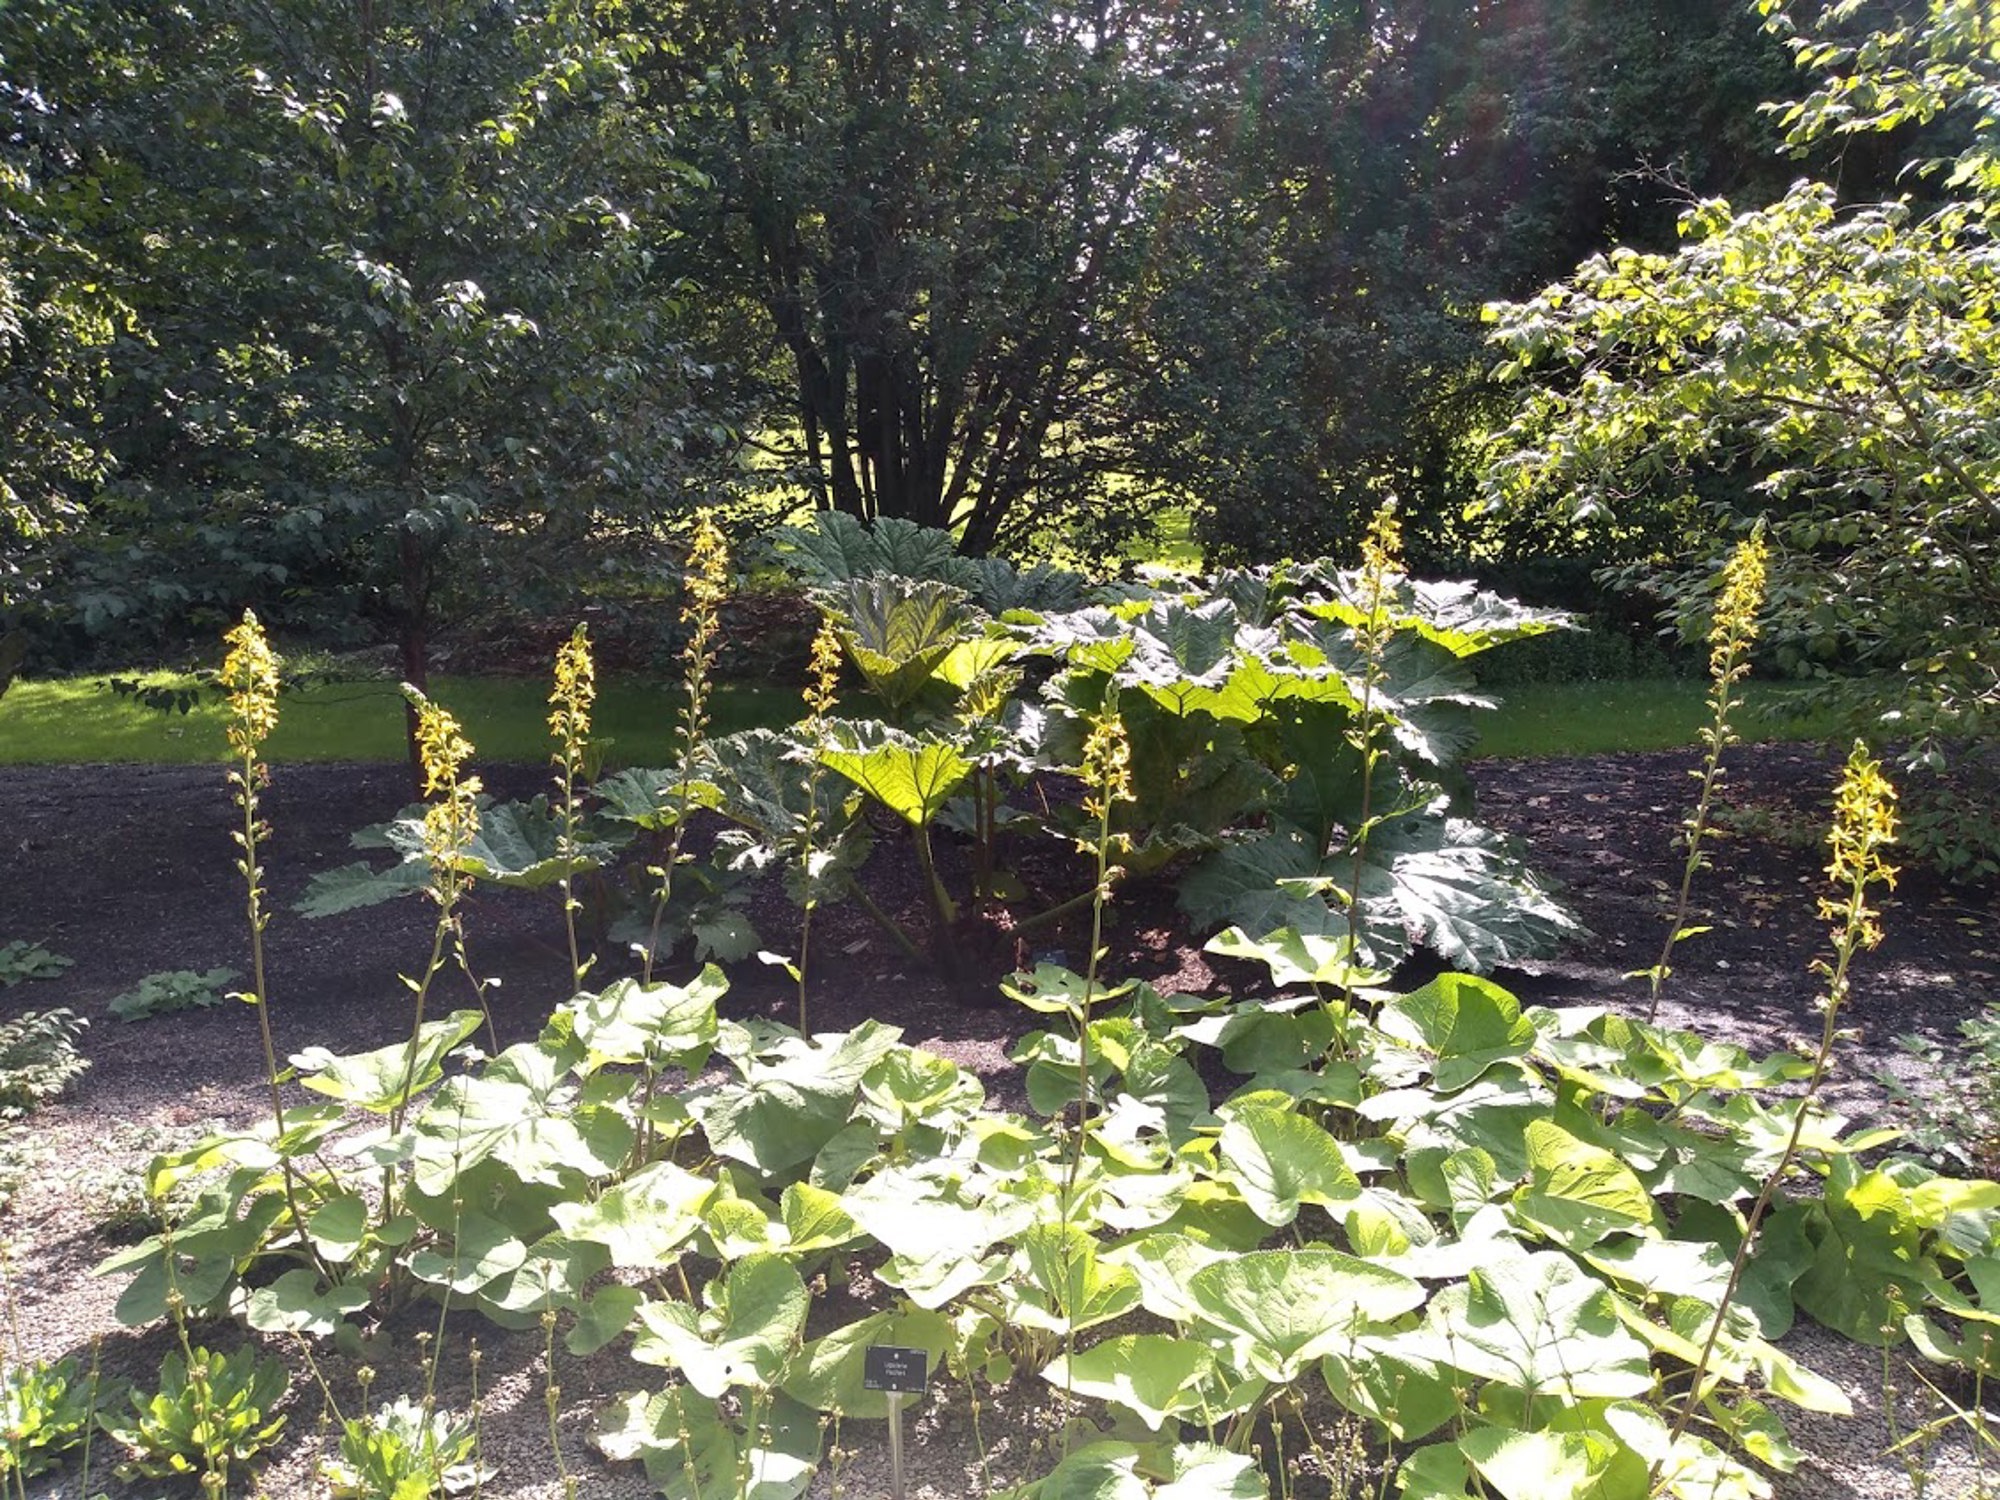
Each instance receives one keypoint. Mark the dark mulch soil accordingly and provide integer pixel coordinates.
(131, 870)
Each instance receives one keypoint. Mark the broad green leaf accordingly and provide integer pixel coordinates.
(688, 1453)
(554, 1276)
(376, 1081)
(519, 844)
(1298, 958)
(482, 1250)
(629, 1022)
(607, 1314)
(1165, 1264)
(298, 1302)
(1554, 1465)
(1096, 1471)
(1461, 617)
(1282, 1310)
(898, 631)
(1468, 1024)
(787, 1109)
(1577, 1193)
(1182, 658)
(829, 1373)
(1281, 1160)
(338, 1228)
(737, 1227)
(1456, 887)
(1064, 1285)
(353, 886)
(911, 1217)
(1867, 1265)
(909, 1086)
(815, 1219)
(1202, 1471)
(644, 1220)
(509, 1113)
(758, 1318)
(912, 777)
(1439, 1472)
(1409, 1398)
(1155, 1376)
(836, 547)
(1535, 1323)
(1688, 1468)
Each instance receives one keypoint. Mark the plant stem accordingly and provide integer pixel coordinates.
(402, 1103)
(1863, 822)
(889, 925)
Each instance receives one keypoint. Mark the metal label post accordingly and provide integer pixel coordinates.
(900, 1374)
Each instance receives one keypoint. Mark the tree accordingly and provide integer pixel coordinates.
(1843, 357)
(1388, 167)
(932, 208)
(395, 318)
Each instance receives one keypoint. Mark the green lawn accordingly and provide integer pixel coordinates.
(1591, 718)
(81, 720)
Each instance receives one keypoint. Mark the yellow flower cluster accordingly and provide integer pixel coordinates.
(1107, 764)
(1382, 548)
(707, 571)
(452, 822)
(823, 672)
(1864, 824)
(571, 698)
(250, 676)
(1735, 624)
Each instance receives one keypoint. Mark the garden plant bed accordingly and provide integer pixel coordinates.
(131, 871)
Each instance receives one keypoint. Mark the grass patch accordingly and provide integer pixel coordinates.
(79, 719)
(1596, 718)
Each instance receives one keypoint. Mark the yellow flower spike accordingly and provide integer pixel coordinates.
(572, 697)
(250, 676)
(1382, 547)
(823, 672)
(1864, 824)
(1107, 764)
(452, 822)
(1742, 596)
(707, 569)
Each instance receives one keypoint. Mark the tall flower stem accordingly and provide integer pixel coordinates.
(450, 825)
(250, 677)
(822, 690)
(1864, 824)
(570, 703)
(707, 585)
(1730, 637)
(1107, 777)
(1381, 564)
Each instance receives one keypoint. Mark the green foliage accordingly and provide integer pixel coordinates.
(209, 1412)
(1835, 358)
(348, 301)
(171, 990)
(1952, 1114)
(38, 1058)
(46, 1410)
(1458, 1216)
(21, 961)
(1243, 698)
(404, 1451)
(1319, 251)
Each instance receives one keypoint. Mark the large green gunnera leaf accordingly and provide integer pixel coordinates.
(912, 777)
